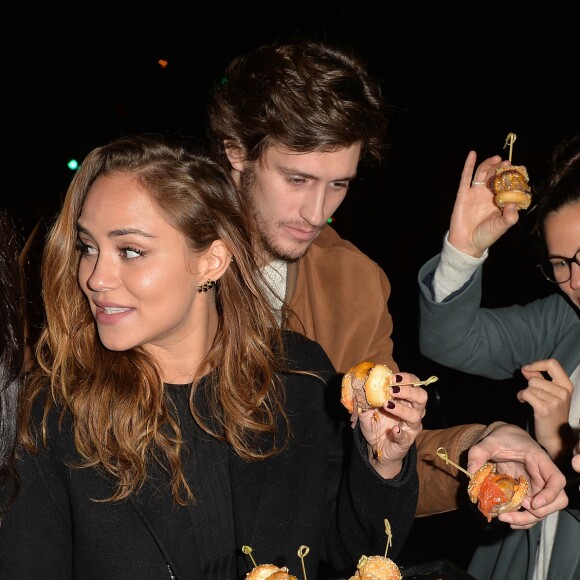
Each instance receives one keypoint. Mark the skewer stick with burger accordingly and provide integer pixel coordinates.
(271, 571)
(378, 567)
(510, 182)
(495, 493)
(369, 386)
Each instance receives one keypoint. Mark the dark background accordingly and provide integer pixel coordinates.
(457, 75)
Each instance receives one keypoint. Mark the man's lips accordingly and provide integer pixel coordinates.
(302, 234)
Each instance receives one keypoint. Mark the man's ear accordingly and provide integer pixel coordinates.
(235, 154)
(215, 261)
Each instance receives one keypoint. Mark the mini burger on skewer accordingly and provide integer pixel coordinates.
(368, 385)
(494, 493)
(378, 567)
(270, 572)
(510, 184)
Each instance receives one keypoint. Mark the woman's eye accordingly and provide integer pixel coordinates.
(85, 249)
(559, 264)
(132, 253)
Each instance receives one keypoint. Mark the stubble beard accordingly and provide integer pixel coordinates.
(270, 248)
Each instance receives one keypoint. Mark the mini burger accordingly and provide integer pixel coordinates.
(366, 386)
(269, 572)
(510, 185)
(496, 493)
(377, 568)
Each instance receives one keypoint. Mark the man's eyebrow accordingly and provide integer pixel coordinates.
(120, 232)
(295, 171)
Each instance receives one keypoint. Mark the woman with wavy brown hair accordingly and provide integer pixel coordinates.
(169, 421)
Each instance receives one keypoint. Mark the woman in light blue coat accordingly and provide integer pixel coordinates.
(541, 339)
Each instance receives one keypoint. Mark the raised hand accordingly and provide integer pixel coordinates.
(550, 400)
(477, 222)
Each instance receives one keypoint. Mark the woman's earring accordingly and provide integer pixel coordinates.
(207, 285)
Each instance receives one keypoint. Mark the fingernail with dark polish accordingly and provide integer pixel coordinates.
(395, 389)
(390, 405)
(398, 378)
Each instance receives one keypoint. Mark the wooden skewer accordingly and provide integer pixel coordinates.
(302, 553)
(426, 382)
(510, 140)
(389, 536)
(247, 550)
(442, 454)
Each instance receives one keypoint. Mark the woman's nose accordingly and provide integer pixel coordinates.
(103, 276)
(575, 275)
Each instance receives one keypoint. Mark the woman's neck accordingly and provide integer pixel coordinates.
(179, 362)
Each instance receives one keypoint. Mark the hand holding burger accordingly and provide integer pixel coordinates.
(389, 408)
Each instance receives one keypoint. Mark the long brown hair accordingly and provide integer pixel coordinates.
(121, 420)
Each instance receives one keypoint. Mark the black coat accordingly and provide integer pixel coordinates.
(56, 529)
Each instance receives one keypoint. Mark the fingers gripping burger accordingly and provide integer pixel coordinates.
(510, 185)
(496, 493)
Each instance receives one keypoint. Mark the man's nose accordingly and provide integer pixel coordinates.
(313, 208)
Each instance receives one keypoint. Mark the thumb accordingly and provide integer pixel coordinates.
(510, 215)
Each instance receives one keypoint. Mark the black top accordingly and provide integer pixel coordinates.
(56, 529)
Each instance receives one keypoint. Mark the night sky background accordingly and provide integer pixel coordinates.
(457, 76)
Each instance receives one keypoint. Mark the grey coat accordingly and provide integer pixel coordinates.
(495, 343)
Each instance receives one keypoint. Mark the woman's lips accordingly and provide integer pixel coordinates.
(111, 314)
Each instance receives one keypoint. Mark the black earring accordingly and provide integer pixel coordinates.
(207, 285)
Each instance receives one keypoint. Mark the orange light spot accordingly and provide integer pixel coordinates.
(162, 63)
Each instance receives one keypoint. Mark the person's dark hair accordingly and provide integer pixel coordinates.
(11, 340)
(117, 399)
(306, 96)
(562, 186)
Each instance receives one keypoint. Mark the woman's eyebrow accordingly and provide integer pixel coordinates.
(119, 232)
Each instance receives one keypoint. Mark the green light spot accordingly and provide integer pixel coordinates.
(73, 164)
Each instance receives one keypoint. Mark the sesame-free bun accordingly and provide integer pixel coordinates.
(366, 386)
(269, 572)
(510, 185)
(496, 493)
(378, 568)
